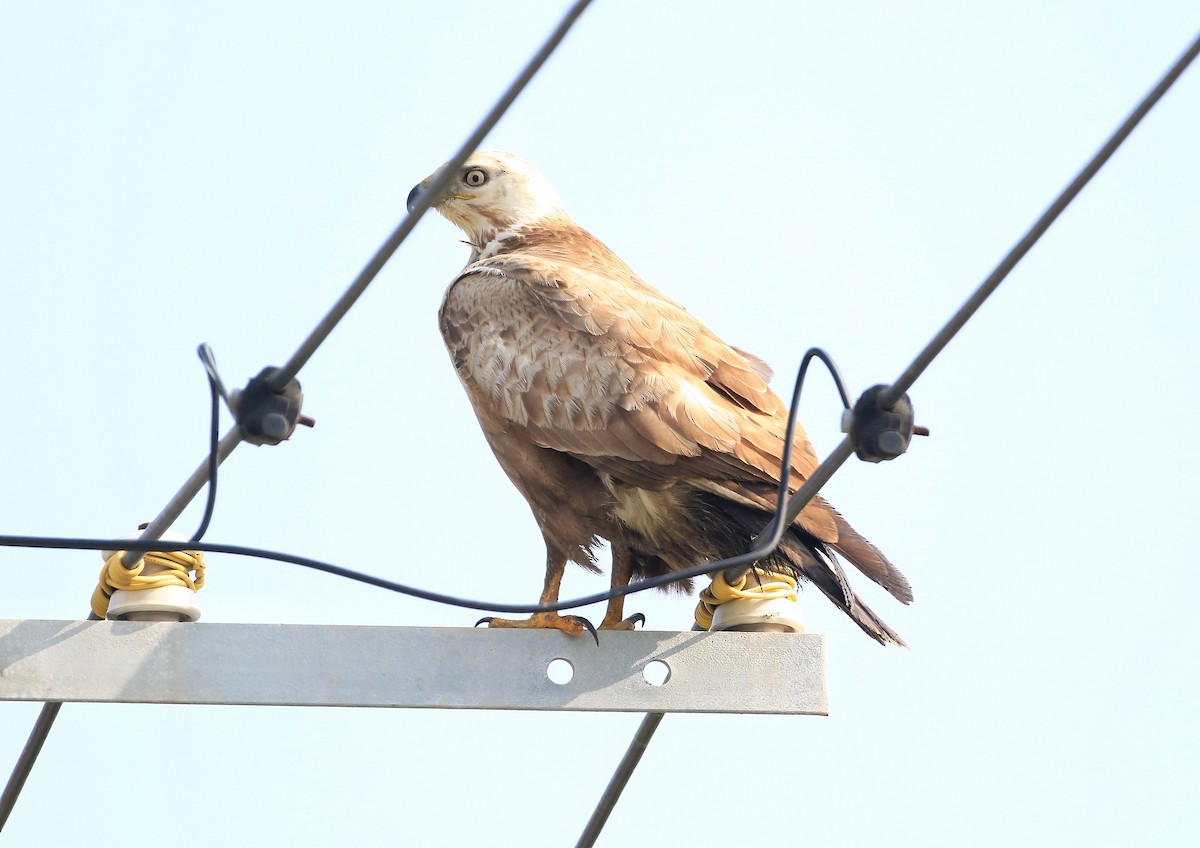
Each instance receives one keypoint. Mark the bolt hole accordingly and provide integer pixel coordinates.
(560, 671)
(656, 672)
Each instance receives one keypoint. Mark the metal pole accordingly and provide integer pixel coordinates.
(796, 503)
(925, 357)
(843, 451)
(33, 746)
(327, 324)
(309, 346)
(291, 368)
(616, 785)
(183, 497)
(904, 382)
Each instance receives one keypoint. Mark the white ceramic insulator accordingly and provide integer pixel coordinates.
(774, 615)
(165, 603)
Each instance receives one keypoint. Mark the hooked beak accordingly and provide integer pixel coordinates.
(415, 194)
(419, 190)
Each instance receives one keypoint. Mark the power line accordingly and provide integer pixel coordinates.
(616, 784)
(28, 756)
(291, 368)
(426, 200)
(309, 346)
(794, 505)
(903, 383)
(766, 542)
(215, 391)
(959, 319)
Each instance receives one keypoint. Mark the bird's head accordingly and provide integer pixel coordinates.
(491, 193)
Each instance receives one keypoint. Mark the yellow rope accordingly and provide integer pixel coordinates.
(757, 583)
(179, 567)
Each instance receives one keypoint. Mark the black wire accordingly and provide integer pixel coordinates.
(833, 372)
(209, 360)
(214, 425)
(764, 543)
(289, 370)
(310, 344)
(47, 542)
(774, 530)
(931, 350)
(782, 504)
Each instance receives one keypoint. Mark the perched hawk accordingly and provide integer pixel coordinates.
(616, 413)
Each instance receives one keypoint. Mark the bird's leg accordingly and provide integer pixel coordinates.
(622, 571)
(570, 624)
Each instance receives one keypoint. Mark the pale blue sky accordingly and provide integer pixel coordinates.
(796, 174)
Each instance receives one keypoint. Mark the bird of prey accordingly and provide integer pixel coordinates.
(616, 413)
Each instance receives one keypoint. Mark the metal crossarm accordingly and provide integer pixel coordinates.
(437, 667)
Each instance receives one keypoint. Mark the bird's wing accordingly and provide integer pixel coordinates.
(572, 347)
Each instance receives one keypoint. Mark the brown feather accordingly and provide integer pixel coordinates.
(616, 413)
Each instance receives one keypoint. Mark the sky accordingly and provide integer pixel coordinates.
(796, 174)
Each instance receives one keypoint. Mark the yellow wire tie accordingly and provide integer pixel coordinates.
(758, 583)
(177, 570)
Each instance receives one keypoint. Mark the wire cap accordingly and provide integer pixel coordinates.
(163, 603)
(770, 615)
(761, 600)
(171, 602)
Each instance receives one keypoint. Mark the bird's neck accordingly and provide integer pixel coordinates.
(493, 239)
(487, 243)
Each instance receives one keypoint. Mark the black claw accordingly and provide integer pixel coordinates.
(487, 619)
(586, 625)
(638, 618)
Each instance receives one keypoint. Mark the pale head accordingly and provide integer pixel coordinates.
(494, 192)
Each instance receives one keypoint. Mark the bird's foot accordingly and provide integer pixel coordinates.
(615, 623)
(572, 625)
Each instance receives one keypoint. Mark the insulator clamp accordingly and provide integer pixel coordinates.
(877, 432)
(267, 416)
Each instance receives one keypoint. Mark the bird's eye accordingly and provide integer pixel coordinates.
(475, 177)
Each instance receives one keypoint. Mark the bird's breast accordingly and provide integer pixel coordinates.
(533, 367)
(668, 523)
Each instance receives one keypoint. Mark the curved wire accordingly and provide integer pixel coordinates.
(290, 368)
(834, 372)
(209, 360)
(784, 508)
(361, 577)
(215, 390)
(782, 504)
(763, 544)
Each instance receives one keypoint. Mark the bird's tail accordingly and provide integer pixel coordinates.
(815, 561)
(821, 568)
(867, 558)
